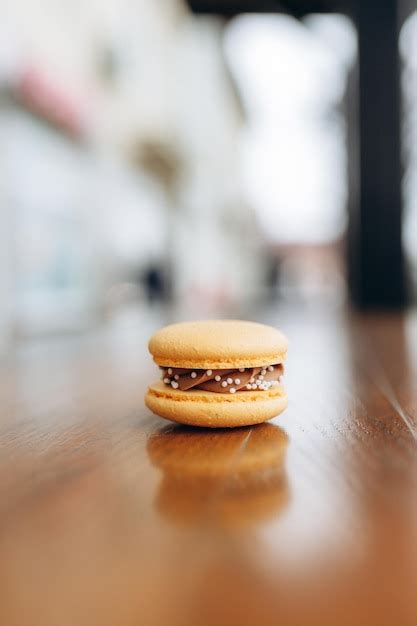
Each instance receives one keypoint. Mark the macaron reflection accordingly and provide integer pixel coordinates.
(226, 478)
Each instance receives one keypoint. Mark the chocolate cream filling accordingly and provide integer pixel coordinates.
(223, 381)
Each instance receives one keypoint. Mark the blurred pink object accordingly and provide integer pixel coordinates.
(44, 96)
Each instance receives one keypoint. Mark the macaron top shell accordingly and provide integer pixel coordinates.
(219, 344)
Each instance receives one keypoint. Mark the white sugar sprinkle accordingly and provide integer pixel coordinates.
(241, 369)
(261, 376)
(248, 386)
(263, 372)
(176, 377)
(252, 380)
(237, 381)
(174, 384)
(217, 378)
(193, 374)
(270, 368)
(209, 372)
(232, 390)
(224, 384)
(229, 381)
(170, 370)
(167, 381)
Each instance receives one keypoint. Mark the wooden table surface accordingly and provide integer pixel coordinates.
(110, 516)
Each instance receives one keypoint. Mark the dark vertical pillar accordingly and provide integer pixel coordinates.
(377, 269)
(351, 110)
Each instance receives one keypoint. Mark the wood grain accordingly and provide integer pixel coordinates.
(109, 516)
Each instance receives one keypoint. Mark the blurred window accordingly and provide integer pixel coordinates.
(408, 50)
(292, 76)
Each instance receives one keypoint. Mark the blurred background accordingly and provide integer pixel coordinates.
(200, 160)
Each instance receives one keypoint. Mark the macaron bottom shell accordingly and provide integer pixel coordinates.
(215, 410)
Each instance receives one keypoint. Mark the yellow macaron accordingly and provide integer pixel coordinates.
(218, 373)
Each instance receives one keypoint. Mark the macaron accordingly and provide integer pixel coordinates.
(218, 373)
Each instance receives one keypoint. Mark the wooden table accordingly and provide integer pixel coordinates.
(109, 516)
